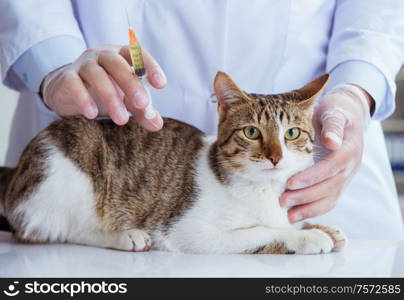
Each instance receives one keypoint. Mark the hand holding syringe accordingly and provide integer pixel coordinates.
(100, 82)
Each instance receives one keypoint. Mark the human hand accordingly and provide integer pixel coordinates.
(101, 83)
(341, 116)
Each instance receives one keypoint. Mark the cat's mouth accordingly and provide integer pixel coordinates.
(271, 169)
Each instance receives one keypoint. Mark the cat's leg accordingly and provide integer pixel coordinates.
(129, 240)
(261, 239)
(307, 241)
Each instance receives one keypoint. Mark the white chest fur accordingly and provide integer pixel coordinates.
(223, 208)
(257, 204)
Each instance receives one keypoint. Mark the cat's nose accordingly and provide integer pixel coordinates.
(275, 158)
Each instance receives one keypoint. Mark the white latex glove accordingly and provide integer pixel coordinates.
(342, 117)
(101, 83)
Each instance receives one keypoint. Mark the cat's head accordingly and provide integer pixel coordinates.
(265, 136)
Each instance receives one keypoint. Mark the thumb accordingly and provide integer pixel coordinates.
(333, 125)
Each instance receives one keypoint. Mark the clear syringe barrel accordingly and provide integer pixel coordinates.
(137, 59)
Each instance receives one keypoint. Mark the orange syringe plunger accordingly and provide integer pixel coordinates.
(132, 37)
(136, 54)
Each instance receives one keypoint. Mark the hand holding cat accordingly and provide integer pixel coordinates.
(101, 83)
(341, 116)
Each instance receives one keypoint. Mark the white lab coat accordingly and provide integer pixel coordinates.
(266, 46)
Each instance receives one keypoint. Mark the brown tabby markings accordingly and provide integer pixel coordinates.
(220, 172)
(150, 171)
(24, 180)
(272, 248)
(6, 175)
(141, 179)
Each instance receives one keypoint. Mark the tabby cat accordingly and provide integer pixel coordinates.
(94, 183)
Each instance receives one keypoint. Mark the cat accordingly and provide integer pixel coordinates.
(95, 183)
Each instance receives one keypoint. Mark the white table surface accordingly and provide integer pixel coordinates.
(362, 258)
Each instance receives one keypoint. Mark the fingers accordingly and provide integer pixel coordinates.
(154, 124)
(316, 190)
(71, 98)
(313, 193)
(315, 200)
(77, 90)
(119, 69)
(310, 210)
(96, 77)
(124, 52)
(333, 125)
(345, 159)
(101, 81)
(157, 79)
(324, 169)
(155, 74)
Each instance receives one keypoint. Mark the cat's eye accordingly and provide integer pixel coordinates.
(292, 133)
(252, 132)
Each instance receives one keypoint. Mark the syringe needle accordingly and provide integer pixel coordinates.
(127, 17)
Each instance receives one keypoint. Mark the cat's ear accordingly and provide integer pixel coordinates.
(227, 92)
(311, 91)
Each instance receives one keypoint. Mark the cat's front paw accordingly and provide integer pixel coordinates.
(135, 240)
(337, 235)
(312, 241)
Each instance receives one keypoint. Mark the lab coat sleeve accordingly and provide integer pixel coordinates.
(38, 61)
(367, 41)
(366, 76)
(36, 23)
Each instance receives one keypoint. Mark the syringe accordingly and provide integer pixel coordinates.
(139, 69)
